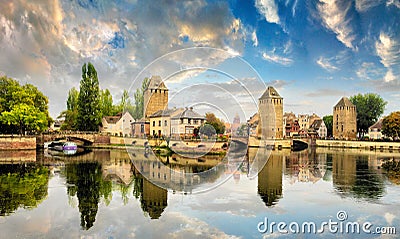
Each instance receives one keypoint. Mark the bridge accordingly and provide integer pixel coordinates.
(85, 138)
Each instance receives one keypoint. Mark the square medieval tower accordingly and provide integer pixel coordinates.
(270, 109)
(344, 120)
(155, 97)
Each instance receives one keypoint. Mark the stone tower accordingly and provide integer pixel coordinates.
(155, 97)
(344, 120)
(270, 109)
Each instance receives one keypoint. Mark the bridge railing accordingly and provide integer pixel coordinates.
(71, 132)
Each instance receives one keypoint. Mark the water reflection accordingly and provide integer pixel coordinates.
(91, 179)
(270, 180)
(22, 185)
(354, 176)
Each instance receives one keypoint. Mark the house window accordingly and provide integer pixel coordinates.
(159, 123)
(165, 123)
(189, 121)
(141, 128)
(196, 121)
(181, 121)
(154, 123)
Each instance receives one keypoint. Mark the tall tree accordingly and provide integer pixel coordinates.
(139, 99)
(89, 115)
(391, 125)
(370, 107)
(106, 103)
(125, 104)
(218, 125)
(328, 120)
(71, 114)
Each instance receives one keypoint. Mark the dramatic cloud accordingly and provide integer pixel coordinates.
(369, 71)
(335, 17)
(269, 10)
(388, 48)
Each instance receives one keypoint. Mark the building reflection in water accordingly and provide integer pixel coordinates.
(270, 180)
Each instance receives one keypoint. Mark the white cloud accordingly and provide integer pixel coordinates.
(389, 76)
(395, 3)
(326, 64)
(334, 15)
(388, 49)
(269, 9)
(273, 57)
(254, 38)
(369, 71)
(365, 5)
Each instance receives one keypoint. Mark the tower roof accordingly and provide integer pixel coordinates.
(156, 83)
(270, 92)
(344, 102)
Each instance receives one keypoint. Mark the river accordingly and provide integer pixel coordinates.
(119, 194)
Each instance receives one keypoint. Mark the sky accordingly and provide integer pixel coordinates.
(312, 52)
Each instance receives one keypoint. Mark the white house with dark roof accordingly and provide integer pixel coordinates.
(375, 130)
(319, 127)
(160, 122)
(185, 122)
(119, 125)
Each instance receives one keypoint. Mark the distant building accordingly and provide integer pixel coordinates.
(184, 123)
(304, 121)
(318, 128)
(375, 130)
(270, 109)
(160, 122)
(292, 128)
(235, 124)
(344, 120)
(155, 97)
(119, 125)
(56, 125)
(141, 128)
(313, 117)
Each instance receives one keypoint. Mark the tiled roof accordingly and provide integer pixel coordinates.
(167, 112)
(377, 125)
(188, 114)
(156, 83)
(316, 124)
(344, 102)
(270, 92)
(112, 119)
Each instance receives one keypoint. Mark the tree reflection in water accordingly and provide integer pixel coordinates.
(84, 179)
(22, 185)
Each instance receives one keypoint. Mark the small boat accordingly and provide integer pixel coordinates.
(63, 146)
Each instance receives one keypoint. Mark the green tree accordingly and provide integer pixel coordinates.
(207, 129)
(26, 118)
(328, 120)
(139, 99)
(106, 103)
(125, 104)
(28, 100)
(370, 107)
(71, 114)
(218, 125)
(391, 125)
(89, 115)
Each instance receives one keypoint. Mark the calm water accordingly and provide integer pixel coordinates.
(106, 194)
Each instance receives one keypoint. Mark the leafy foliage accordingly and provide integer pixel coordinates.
(139, 99)
(207, 129)
(22, 185)
(391, 125)
(89, 114)
(328, 120)
(23, 109)
(71, 114)
(370, 107)
(106, 103)
(218, 125)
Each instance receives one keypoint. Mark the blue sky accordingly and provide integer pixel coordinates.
(313, 52)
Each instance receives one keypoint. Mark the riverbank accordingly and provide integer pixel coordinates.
(17, 143)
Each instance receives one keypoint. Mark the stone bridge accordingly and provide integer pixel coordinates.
(85, 138)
